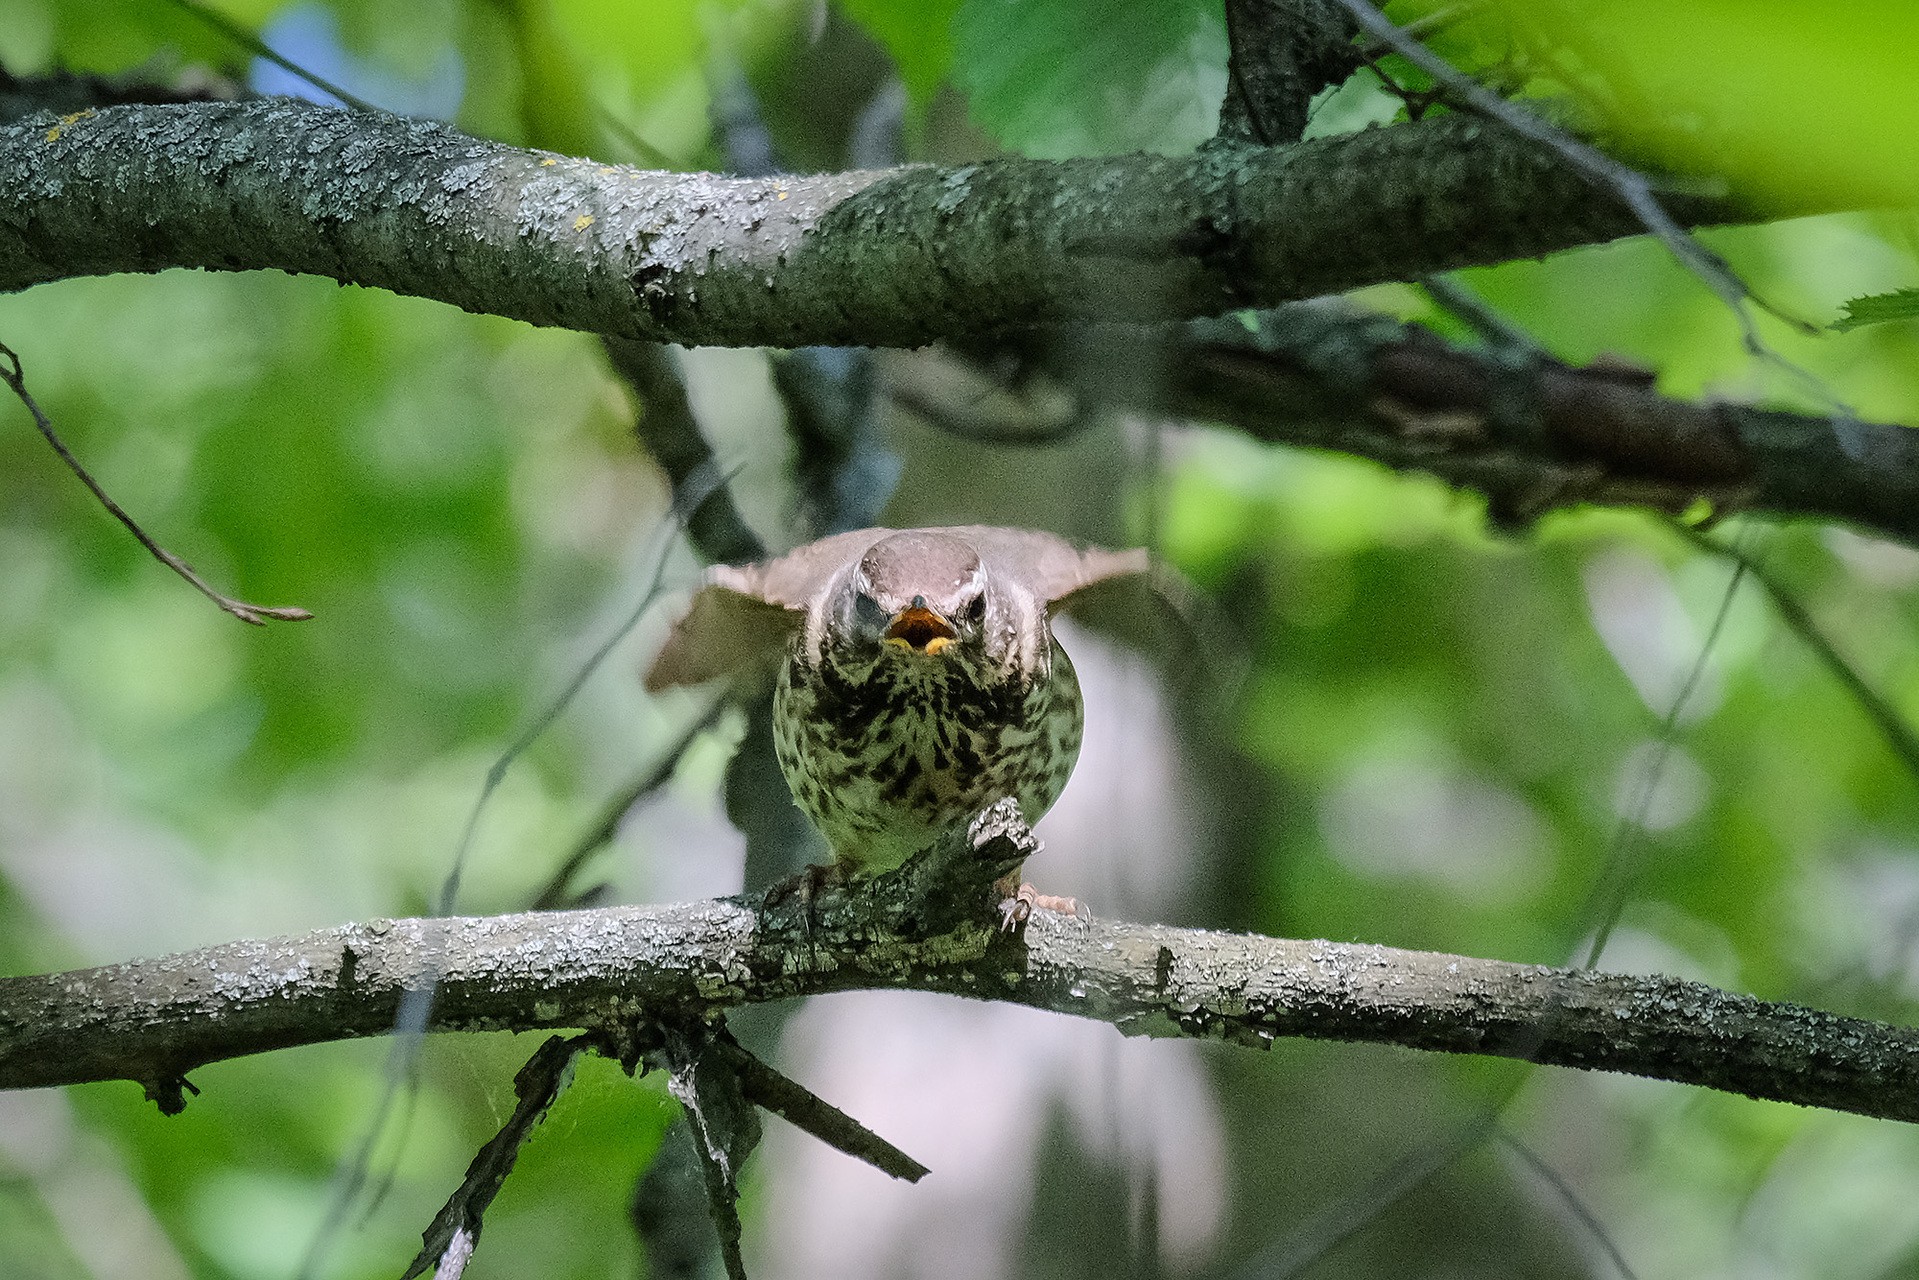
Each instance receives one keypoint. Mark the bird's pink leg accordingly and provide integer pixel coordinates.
(1016, 907)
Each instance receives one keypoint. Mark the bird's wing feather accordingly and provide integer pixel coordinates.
(1052, 568)
(746, 613)
(800, 576)
(723, 632)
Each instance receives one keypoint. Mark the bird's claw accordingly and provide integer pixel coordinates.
(1018, 909)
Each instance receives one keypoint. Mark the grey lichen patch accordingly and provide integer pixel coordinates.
(954, 188)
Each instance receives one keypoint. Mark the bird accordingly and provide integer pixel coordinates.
(919, 679)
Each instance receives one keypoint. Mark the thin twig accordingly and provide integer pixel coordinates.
(1885, 717)
(350, 1178)
(1420, 28)
(643, 151)
(553, 895)
(1573, 1201)
(1352, 1215)
(800, 1107)
(449, 1239)
(1473, 311)
(724, 1125)
(969, 418)
(1612, 887)
(258, 615)
(1634, 188)
(691, 496)
(1616, 876)
(261, 49)
(414, 1010)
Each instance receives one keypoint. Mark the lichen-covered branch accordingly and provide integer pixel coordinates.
(893, 257)
(153, 1021)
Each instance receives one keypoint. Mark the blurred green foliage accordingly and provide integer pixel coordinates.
(1458, 720)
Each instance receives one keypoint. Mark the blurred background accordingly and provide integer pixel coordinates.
(1426, 734)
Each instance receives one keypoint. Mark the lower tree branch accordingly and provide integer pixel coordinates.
(153, 1021)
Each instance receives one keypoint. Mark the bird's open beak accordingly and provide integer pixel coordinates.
(921, 629)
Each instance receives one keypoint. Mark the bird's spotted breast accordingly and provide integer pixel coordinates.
(885, 764)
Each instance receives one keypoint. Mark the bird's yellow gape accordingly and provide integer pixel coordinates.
(920, 628)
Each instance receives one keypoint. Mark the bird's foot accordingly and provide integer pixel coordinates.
(804, 887)
(1016, 909)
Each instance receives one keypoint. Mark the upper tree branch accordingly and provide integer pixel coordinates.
(155, 1020)
(885, 258)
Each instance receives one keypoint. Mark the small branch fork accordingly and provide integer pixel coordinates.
(258, 615)
(719, 1085)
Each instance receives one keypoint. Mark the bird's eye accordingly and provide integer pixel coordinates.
(976, 609)
(867, 612)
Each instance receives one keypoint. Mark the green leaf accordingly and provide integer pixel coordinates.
(1056, 78)
(1878, 308)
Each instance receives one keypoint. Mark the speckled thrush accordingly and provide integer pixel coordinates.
(920, 683)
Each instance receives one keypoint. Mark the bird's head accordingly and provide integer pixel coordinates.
(917, 596)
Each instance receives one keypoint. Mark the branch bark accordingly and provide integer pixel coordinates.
(1531, 434)
(893, 257)
(153, 1021)
(1281, 53)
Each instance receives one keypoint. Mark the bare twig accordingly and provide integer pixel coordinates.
(1633, 188)
(1885, 717)
(972, 419)
(1295, 1253)
(1472, 311)
(399, 1076)
(1604, 904)
(450, 1239)
(669, 1210)
(553, 895)
(844, 471)
(669, 431)
(1574, 1203)
(410, 1017)
(259, 48)
(258, 615)
(1607, 900)
(1418, 29)
(724, 1125)
(689, 497)
(806, 1110)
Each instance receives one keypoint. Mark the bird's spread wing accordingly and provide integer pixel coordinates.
(1052, 568)
(745, 614)
(723, 632)
(798, 578)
